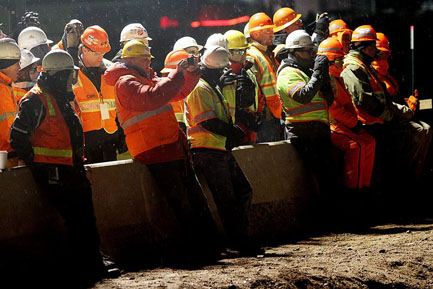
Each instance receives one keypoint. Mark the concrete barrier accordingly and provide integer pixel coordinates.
(133, 217)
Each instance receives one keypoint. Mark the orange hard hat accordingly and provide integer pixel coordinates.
(173, 58)
(382, 42)
(364, 33)
(284, 17)
(331, 47)
(260, 21)
(96, 39)
(337, 25)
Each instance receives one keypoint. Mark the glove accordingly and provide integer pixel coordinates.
(227, 78)
(357, 127)
(321, 63)
(245, 90)
(412, 101)
(235, 137)
(73, 31)
(246, 118)
(322, 24)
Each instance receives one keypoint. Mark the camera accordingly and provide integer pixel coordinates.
(190, 61)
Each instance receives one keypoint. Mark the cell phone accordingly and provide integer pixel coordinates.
(190, 61)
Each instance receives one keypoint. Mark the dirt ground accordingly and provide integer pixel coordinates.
(394, 255)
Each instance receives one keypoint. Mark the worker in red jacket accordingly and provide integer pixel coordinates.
(154, 138)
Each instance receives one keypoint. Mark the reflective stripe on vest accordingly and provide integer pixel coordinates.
(196, 129)
(142, 116)
(52, 152)
(306, 108)
(205, 116)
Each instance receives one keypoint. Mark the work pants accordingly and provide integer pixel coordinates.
(178, 183)
(101, 146)
(312, 140)
(359, 150)
(230, 189)
(269, 130)
(70, 192)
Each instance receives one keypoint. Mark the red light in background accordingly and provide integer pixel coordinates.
(166, 22)
(224, 22)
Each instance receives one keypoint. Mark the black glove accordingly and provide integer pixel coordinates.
(227, 78)
(322, 25)
(246, 118)
(235, 137)
(321, 63)
(357, 127)
(245, 90)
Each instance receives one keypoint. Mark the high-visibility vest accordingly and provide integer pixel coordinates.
(145, 130)
(8, 111)
(205, 103)
(376, 88)
(91, 104)
(267, 79)
(290, 80)
(390, 83)
(51, 141)
(179, 110)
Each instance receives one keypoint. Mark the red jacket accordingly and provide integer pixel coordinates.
(135, 94)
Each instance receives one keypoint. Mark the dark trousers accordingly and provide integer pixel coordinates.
(69, 190)
(231, 191)
(101, 146)
(177, 181)
(312, 140)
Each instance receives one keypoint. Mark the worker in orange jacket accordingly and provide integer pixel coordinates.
(347, 133)
(95, 100)
(10, 56)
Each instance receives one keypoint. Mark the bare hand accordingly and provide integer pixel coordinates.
(73, 31)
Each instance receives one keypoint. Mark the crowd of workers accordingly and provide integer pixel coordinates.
(65, 105)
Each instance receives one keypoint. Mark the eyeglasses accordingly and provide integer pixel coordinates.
(238, 51)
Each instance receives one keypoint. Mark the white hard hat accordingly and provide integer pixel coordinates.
(299, 39)
(186, 42)
(217, 39)
(134, 31)
(31, 37)
(215, 57)
(57, 60)
(9, 49)
(246, 29)
(27, 58)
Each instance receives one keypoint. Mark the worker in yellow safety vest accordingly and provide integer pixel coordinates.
(265, 68)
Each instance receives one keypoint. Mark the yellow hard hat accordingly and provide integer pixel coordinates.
(237, 39)
(136, 48)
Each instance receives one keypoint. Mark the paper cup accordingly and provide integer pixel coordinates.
(3, 160)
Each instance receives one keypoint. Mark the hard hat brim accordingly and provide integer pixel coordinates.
(166, 70)
(260, 28)
(279, 28)
(35, 59)
(383, 49)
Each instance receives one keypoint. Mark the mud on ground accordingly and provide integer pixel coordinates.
(396, 255)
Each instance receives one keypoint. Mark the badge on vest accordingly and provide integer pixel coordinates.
(104, 111)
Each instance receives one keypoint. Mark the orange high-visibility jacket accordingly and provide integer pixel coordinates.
(342, 110)
(51, 141)
(8, 111)
(90, 103)
(265, 71)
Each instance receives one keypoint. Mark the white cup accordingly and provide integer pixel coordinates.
(3, 160)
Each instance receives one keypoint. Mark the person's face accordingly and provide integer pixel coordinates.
(12, 71)
(370, 50)
(306, 53)
(142, 62)
(294, 26)
(238, 55)
(382, 55)
(264, 37)
(33, 72)
(192, 50)
(91, 58)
